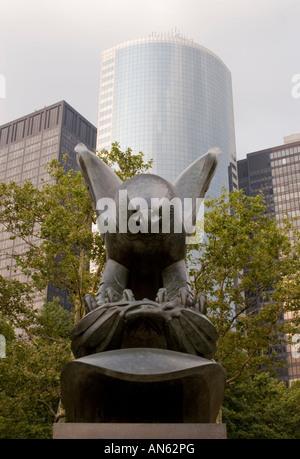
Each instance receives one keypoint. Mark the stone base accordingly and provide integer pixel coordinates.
(122, 431)
(142, 386)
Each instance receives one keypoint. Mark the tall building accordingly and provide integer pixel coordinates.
(26, 146)
(170, 98)
(276, 172)
(255, 175)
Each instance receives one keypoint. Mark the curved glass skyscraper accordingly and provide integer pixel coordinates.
(169, 98)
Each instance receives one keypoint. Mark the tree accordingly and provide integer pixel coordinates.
(54, 222)
(16, 305)
(30, 374)
(125, 164)
(262, 408)
(244, 266)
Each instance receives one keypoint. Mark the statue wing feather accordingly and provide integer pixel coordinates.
(100, 179)
(194, 181)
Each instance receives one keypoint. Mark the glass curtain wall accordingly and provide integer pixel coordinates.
(171, 99)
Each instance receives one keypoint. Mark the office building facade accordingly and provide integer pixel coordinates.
(170, 98)
(26, 146)
(276, 172)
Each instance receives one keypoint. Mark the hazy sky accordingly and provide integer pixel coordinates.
(51, 50)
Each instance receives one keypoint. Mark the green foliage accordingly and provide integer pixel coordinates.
(15, 305)
(53, 322)
(125, 164)
(262, 408)
(30, 375)
(246, 260)
(54, 222)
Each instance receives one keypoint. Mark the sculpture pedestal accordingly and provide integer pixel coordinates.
(139, 431)
(142, 385)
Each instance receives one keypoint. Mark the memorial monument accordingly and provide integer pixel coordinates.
(143, 351)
